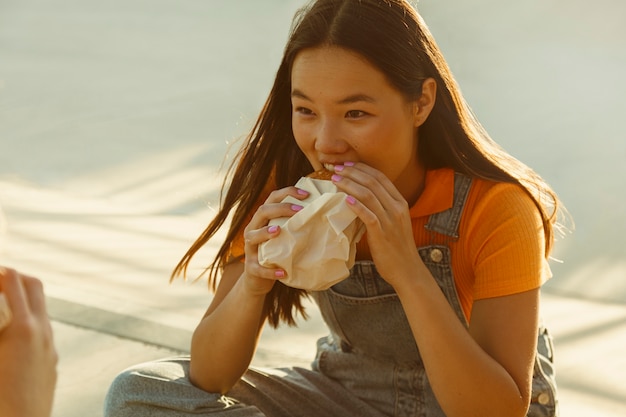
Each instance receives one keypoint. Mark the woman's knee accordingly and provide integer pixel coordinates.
(144, 386)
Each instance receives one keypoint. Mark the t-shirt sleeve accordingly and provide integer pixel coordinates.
(236, 250)
(508, 243)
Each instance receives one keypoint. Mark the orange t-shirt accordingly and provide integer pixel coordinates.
(501, 246)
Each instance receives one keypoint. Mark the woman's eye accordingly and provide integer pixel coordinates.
(304, 111)
(355, 114)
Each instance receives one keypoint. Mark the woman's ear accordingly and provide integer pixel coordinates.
(425, 103)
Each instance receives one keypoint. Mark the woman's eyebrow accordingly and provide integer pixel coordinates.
(299, 94)
(354, 98)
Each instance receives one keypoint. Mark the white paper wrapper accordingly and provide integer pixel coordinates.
(5, 312)
(317, 246)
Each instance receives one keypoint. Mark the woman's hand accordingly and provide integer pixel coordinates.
(259, 279)
(385, 213)
(225, 340)
(28, 358)
(500, 343)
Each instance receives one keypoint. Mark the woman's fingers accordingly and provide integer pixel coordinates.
(257, 231)
(5, 312)
(270, 211)
(253, 268)
(274, 208)
(279, 195)
(260, 229)
(11, 285)
(33, 289)
(368, 180)
(24, 294)
(257, 236)
(373, 198)
(366, 193)
(254, 238)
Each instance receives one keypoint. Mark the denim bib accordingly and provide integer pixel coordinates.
(370, 349)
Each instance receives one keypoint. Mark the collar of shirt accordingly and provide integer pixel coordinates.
(438, 193)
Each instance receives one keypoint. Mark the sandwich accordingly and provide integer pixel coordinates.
(322, 174)
(316, 247)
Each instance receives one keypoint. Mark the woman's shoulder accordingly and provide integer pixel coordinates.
(503, 237)
(500, 206)
(499, 194)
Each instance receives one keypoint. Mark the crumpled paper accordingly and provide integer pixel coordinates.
(316, 247)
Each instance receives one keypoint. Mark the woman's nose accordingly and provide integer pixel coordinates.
(329, 139)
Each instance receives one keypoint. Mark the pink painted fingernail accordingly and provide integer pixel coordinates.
(351, 200)
(336, 178)
(339, 168)
(349, 164)
(296, 207)
(279, 274)
(272, 229)
(303, 192)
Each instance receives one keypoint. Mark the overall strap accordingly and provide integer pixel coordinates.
(447, 222)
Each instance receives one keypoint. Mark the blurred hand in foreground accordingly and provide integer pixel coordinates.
(28, 358)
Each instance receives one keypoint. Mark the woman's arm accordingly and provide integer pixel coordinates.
(225, 340)
(486, 371)
(483, 372)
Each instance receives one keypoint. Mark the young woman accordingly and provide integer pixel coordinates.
(440, 313)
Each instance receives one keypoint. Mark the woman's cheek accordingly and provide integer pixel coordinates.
(302, 137)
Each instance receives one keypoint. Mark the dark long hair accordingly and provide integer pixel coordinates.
(395, 39)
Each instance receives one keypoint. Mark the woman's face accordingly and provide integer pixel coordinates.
(344, 109)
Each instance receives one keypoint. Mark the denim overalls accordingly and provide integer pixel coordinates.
(371, 348)
(369, 365)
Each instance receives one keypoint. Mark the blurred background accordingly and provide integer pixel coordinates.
(116, 118)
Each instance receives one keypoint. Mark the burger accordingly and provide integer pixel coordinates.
(322, 174)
